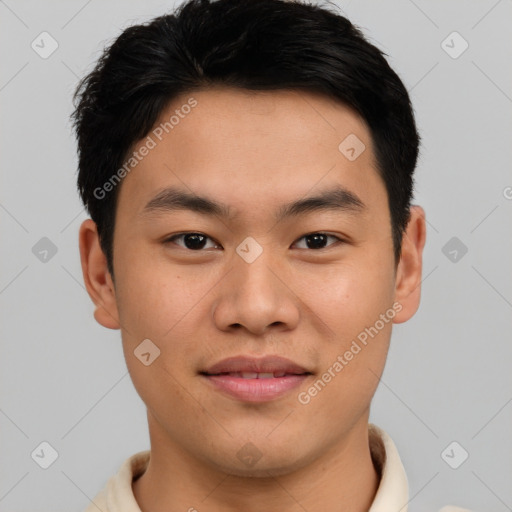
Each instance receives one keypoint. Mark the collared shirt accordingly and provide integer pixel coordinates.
(392, 493)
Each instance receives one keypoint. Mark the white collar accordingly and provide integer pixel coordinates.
(393, 490)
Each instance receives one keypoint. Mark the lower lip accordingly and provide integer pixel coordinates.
(256, 390)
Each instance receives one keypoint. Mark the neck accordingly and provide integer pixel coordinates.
(341, 478)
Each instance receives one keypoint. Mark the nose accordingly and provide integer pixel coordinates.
(257, 296)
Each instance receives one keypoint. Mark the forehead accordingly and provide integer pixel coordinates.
(252, 148)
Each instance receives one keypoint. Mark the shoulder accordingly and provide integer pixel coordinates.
(117, 495)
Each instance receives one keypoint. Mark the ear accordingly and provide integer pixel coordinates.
(408, 276)
(97, 278)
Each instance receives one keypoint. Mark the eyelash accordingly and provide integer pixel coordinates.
(179, 235)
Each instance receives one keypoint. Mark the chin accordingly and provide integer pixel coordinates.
(260, 470)
(265, 466)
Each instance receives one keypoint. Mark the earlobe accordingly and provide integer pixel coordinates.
(97, 278)
(409, 272)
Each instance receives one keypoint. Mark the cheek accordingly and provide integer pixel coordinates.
(155, 303)
(153, 296)
(357, 306)
(349, 296)
(167, 305)
(355, 301)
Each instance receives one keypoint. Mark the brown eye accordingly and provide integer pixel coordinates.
(317, 240)
(191, 241)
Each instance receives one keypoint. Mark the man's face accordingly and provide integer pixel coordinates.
(203, 299)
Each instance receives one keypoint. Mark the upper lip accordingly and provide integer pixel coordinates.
(268, 364)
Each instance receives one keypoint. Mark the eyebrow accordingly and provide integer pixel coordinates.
(333, 199)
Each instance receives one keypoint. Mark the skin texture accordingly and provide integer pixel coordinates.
(255, 151)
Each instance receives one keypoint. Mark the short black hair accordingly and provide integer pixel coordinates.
(248, 44)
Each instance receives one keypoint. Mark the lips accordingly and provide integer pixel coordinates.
(253, 368)
(249, 379)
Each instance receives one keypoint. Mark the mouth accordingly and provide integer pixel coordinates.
(265, 367)
(248, 379)
(256, 375)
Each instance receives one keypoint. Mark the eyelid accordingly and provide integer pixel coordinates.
(171, 238)
(339, 239)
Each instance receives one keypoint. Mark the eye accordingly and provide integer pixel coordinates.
(192, 241)
(198, 241)
(317, 240)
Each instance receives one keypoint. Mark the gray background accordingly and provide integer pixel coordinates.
(448, 378)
